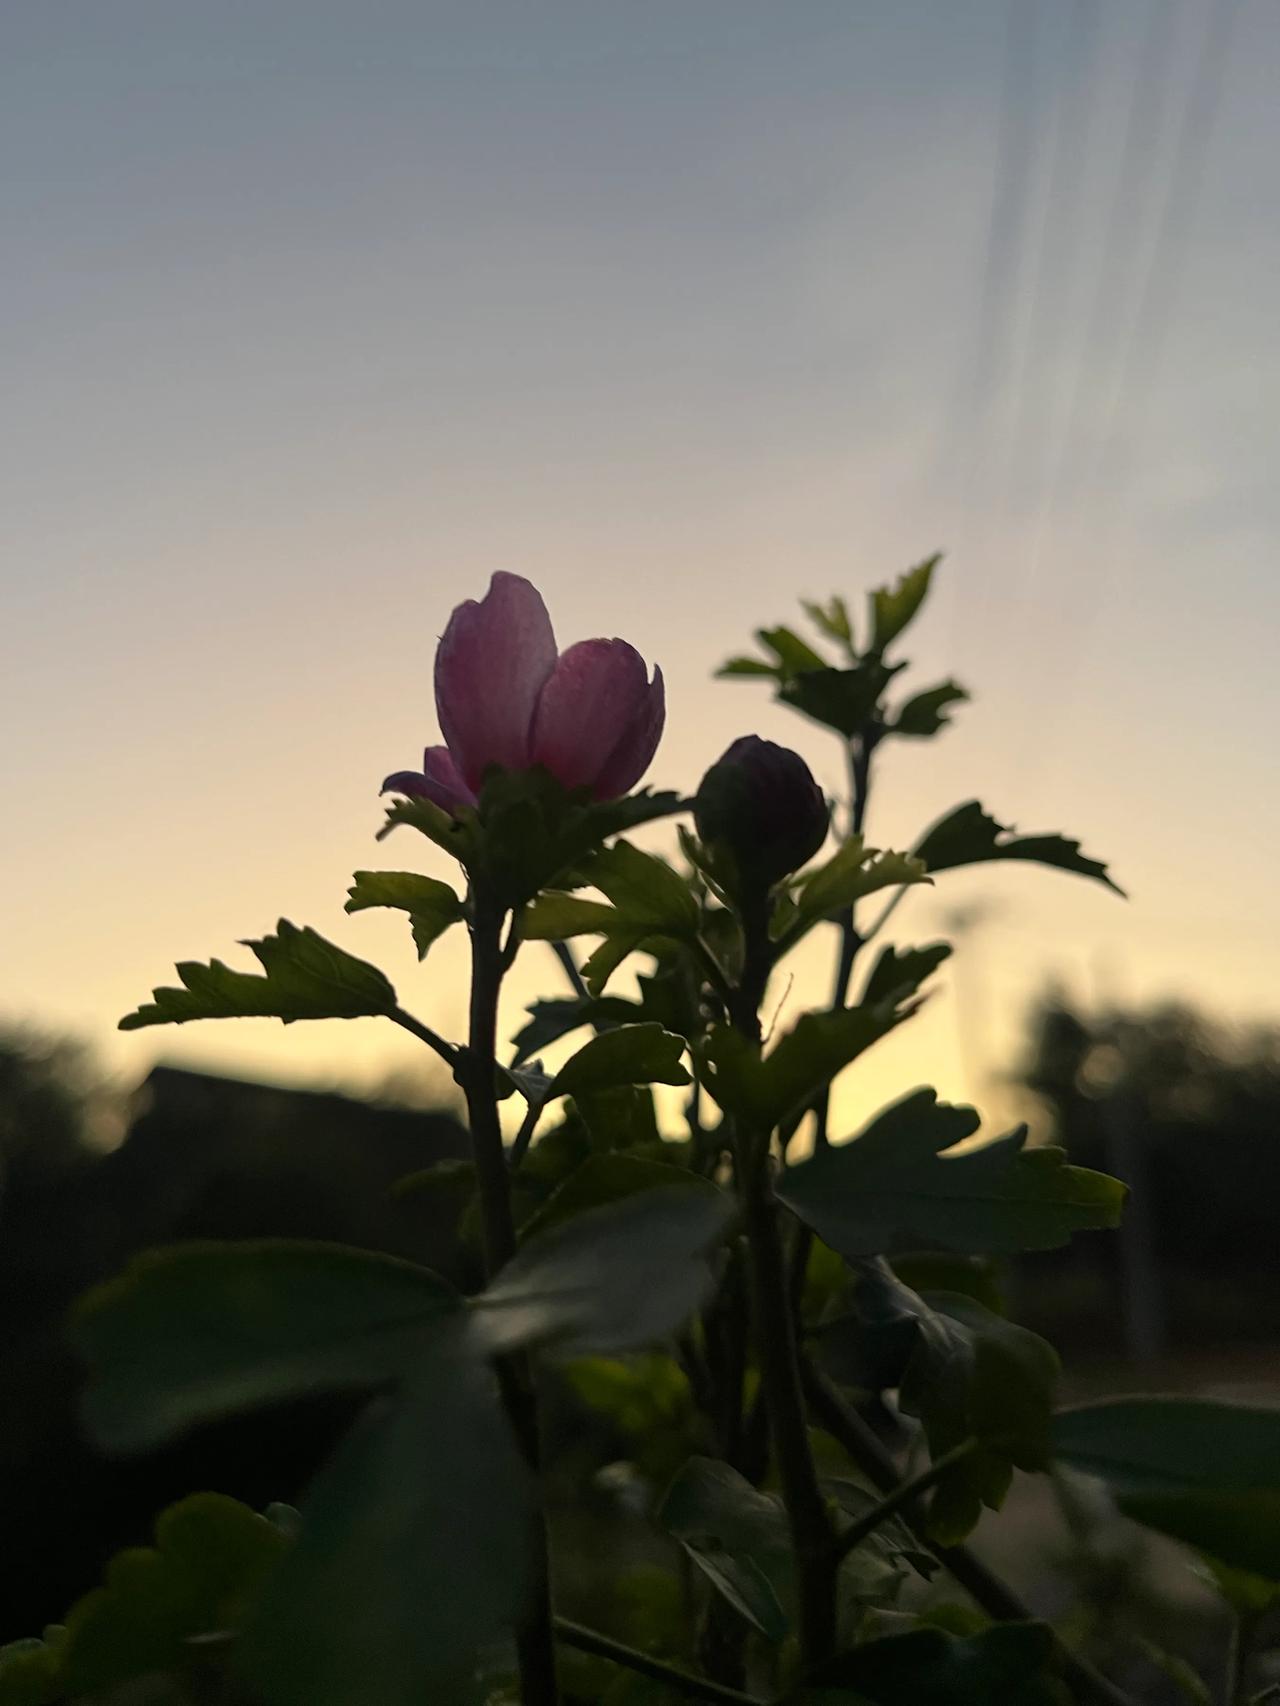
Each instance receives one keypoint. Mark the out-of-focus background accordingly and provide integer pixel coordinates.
(315, 313)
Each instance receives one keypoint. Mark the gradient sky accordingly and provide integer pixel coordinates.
(314, 314)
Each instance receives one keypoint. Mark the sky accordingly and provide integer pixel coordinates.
(315, 314)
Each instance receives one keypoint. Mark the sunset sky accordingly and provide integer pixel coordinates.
(316, 313)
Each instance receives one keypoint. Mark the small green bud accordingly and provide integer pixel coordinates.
(759, 813)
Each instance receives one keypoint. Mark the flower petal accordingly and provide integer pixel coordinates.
(633, 754)
(588, 709)
(490, 667)
(438, 780)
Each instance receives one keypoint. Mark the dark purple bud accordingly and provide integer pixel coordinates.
(759, 807)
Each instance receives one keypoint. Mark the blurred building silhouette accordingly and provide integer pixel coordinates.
(203, 1157)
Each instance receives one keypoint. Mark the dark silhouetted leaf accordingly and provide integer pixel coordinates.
(306, 978)
(895, 1186)
(765, 1091)
(631, 1054)
(202, 1330)
(898, 974)
(925, 713)
(1203, 1471)
(968, 836)
(608, 1178)
(850, 874)
(737, 1537)
(620, 1277)
(415, 1551)
(432, 906)
(840, 699)
(892, 608)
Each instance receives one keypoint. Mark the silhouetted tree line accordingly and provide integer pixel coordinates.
(1187, 1111)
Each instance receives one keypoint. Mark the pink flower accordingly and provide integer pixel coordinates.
(505, 697)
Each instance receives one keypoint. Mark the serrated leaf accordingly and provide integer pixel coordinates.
(840, 699)
(898, 973)
(456, 835)
(893, 608)
(831, 619)
(748, 666)
(820, 1045)
(199, 1331)
(621, 1117)
(852, 872)
(969, 836)
(210, 1560)
(795, 656)
(619, 1277)
(629, 1054)
(432, 906)
(555, 917)
(415, 1551)
(897, 1185)
(644, 889)
(737, 1537)
(1204, 1471)
(925, 714)
(305, 978)
(549, 1020)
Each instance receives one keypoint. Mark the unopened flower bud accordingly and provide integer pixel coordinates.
(759, 811)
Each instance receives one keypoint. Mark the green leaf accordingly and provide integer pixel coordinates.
(896, 1185)
(203, 1330)
(748, 666)
(897, 975)
(974, 1375)
(550, 1020)
(622, 1117)
(609, 1178)
(1203, 1471)
(630, 1054)
(842, 699)
(557, 917)
(456, 835)
(765, 1091)
(432, 906)
(892, 608)
(925, 713)
(644, 889)
(618, 1277)
(415, 1551)
(737, 1537)
(795, 656)
(1009, 1662)
(969, 836)
(31, 1670)
(306, 978)
(831, 619)
(209, 1563)
(851, 873)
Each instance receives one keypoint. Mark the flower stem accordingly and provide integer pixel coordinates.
(535, 1643)
(603, 1646)
(985, 1588)
(905, 1493)
(811, 1532)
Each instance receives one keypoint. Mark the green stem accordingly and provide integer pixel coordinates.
(604, 1647)
(905, 1493)
(564, 953)
(447, 1052)
(987, 1590)
(777, 1345)
(535, 1645)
